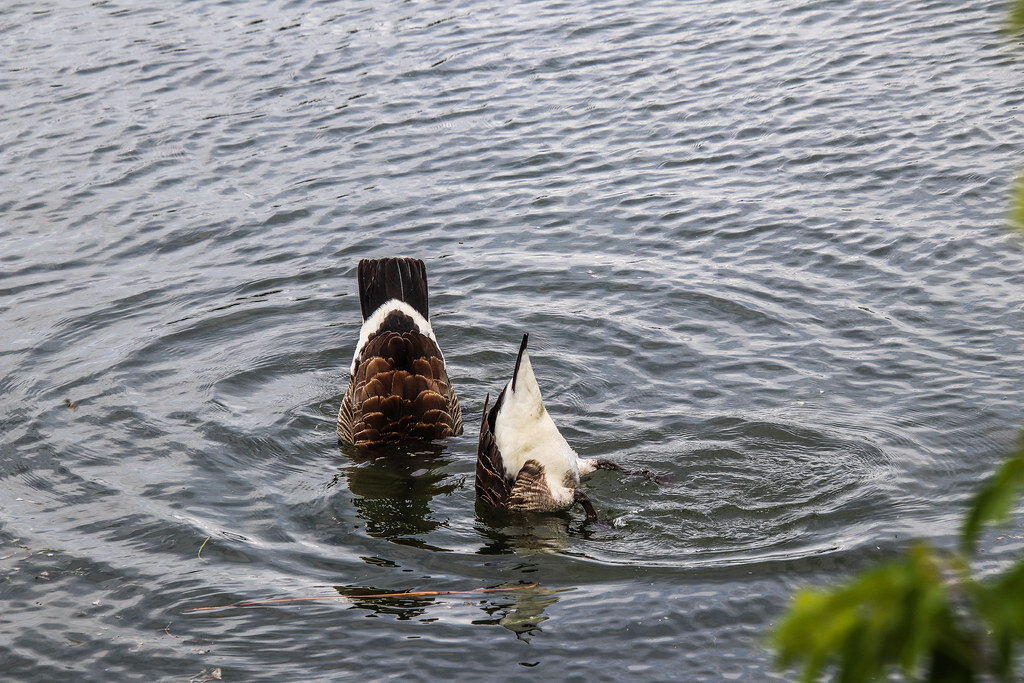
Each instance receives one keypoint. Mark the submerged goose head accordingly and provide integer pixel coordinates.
(398, 384)
(523, 461)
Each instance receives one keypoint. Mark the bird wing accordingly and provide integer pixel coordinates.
(345, 415)
(492, 484)
(455, 410)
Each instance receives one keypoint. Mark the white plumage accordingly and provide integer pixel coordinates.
(523, 430)
(372, 325)
(523, 461)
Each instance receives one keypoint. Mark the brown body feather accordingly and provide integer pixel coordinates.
(399, 390)
(492, 485)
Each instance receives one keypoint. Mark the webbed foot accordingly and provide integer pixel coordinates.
(602, 464)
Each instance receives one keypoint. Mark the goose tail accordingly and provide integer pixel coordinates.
(381, 280)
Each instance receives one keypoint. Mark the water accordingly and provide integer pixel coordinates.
(758, 249)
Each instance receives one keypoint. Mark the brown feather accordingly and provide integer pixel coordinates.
(531, 490)
(399, 388)
(388, 401)
(492, 484)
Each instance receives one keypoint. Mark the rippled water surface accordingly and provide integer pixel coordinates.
(758, 248)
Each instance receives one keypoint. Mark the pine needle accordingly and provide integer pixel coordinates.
(202, 546)
(251, 603)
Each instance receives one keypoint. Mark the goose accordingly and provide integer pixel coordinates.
(523, 462)
(398, 386)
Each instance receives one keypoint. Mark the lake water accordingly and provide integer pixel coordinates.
(759, 248)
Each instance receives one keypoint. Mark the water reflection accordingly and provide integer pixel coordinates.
(505, 531)
(519, 609)
(392, 489)
(521, 612)
(402, 607)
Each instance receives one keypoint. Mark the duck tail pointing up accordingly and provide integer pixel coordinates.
(381, 280)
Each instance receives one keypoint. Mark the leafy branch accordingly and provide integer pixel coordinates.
(924, 614)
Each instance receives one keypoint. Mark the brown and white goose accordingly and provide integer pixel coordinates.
(398, 385)
(523, 462)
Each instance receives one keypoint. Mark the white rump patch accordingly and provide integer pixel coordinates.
(373, 323)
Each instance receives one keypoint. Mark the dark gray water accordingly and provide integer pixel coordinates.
(758, 247)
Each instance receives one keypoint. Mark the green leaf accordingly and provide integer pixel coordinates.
(1015, 18)
(1016, 213)
(995, 501)
(897, 615)
(1000, 603)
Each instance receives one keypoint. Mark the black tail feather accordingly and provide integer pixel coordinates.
(381, 280)
(519, 359)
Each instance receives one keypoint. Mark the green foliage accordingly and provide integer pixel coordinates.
(1000, 603)
(1015, 26)
(897, 615)
(1017, 200)
(923, 615)
(994, 502)
(1015, 19)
